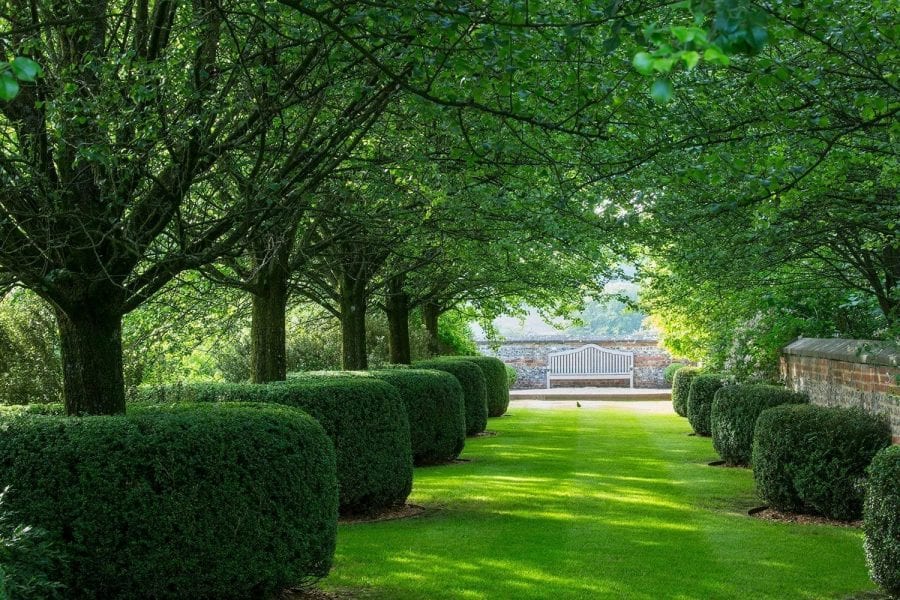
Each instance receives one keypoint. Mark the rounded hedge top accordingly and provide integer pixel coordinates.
(881, 520)
(472, 380)
(436, 409)
(809, 458)
(496, 382)
(681, 388)
(196, 502)
(734, 413)
(364, 417)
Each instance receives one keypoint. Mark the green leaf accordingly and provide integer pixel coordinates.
(661, 91)
(715, 56)
(643, 63)
(9, 87)
(691, 59)
(25, 69)
(663, 65)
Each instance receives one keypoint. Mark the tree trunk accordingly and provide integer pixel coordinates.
(269, 291)
(353, 324)
(268, 354)
(430, 314)
(91, 343)
(397, 310)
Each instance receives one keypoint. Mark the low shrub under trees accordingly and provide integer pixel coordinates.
(474, 388)
(735, 410)
(881, 520)
(496, 382)
(511, 376)
(809, 458)
(364, 417)
(700, 399)
(435, 407)
(681, 388)
(195, 501)
(669, 372)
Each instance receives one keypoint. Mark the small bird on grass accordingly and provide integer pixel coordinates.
(578, 404)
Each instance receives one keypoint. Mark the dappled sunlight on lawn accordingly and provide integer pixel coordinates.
(593, 504)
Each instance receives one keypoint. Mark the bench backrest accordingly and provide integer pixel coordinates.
(590, 360)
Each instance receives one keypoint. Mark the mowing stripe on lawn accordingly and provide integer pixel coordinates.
(569, 503)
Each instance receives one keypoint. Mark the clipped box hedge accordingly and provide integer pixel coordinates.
(681, 388)
(735, 410)
(669, 372)
(496, 382)
(364, 417)
(809, 458)
(436, 410)
(204, 501)
(472, 380)
(881, 520)
(700, 399)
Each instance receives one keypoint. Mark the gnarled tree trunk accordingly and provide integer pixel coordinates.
(268, 354)
(397, 311)
(430, 315)
(353, 324)
(91, 342)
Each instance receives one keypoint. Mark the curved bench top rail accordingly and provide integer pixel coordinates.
(588, 347)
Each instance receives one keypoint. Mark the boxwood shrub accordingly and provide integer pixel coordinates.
(809, 458)
(435, 407)
(364, 417)
(201, 501)
(700, 398)
(474, 388)
(669, 372)
(496, 382)
(881, 520)
(681, 388)
(735, 410)
(511, 376)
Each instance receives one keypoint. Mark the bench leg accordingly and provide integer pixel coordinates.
(548, 380)
(631, 379)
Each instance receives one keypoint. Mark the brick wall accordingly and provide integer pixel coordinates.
(846, 373)
(529, 358)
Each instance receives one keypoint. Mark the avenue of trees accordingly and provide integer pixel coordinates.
(173, 164)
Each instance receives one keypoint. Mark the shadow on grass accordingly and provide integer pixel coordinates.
(597, 504)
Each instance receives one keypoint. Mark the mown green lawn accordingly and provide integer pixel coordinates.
(585, 503)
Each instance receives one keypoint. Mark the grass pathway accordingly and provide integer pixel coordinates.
(606, 503)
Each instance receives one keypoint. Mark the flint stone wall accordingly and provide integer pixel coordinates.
(529, 358)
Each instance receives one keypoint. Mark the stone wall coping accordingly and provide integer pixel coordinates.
(558, 340)
(869, 352)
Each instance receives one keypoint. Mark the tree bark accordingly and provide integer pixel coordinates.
(397, 311)
(353, 324)
(268, 354)
(430, 315)
(91, 343)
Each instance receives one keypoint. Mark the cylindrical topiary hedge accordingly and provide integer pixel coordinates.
(735, 410)
(809, 458)
(681, 388)
(496, 382)
(474, 388)
(436, 410)
(881, 520)
(364, 417)
(203, 501)
(699, 405)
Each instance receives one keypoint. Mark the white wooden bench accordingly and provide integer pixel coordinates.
(590, 362)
